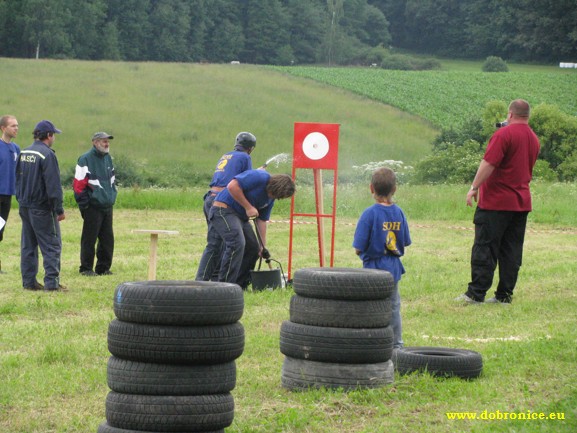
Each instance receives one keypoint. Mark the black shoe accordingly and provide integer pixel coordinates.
(60, 288)
(36, 286)
(105, 273)
(89, 273)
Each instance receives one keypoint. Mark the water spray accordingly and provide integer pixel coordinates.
(278, 159)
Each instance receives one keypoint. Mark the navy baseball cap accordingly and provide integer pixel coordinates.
(46, 126)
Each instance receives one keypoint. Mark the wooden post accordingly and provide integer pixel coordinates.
(152, 256)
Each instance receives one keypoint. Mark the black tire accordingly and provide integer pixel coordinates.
(105, 428)
(339, 345)
(130, 377)
(340, 314)
(175, 344)
(300, 374)
(439, 361)
(354, 284)
(178, 302)
(156, 413)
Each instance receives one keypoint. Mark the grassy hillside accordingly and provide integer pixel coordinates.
(172, 121)
(177, 119)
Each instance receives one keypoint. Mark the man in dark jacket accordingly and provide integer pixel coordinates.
(39, 194)
(95, 192)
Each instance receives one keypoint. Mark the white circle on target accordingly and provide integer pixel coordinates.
(316, 145)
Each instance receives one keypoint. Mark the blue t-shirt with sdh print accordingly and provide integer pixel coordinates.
(253, 184)
(382, 233)
(229, 165)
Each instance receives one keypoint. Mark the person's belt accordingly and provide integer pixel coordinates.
(220, 204)
(215, 190)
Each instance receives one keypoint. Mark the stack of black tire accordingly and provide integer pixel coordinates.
(174, 346)
(339, 333)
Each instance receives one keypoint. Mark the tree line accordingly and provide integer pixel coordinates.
(285, 32)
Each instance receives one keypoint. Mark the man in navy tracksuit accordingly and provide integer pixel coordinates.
(95, 192)
(248, 195)
(229, 165)
(39, 194)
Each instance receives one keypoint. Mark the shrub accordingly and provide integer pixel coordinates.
(495, 111)
(397, 62)
(402, 171)
(568, 168)
(407, 63)
(543, 172)
(557, 133)
(495, 64)
(452, 163)
(372, 56)
(128, 174)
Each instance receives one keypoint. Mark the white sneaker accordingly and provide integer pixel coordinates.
(494, 300)
(466, 299)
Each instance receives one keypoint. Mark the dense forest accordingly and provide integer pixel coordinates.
(287, 31)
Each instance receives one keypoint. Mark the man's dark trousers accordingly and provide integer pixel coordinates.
(499, 238)
(97, 227)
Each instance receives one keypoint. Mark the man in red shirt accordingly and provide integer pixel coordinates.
(501, 187)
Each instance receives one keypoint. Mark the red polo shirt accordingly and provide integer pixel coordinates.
(513, 151)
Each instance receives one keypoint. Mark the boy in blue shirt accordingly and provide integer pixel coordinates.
(381, 236)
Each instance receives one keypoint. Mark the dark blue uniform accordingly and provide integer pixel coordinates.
(39, 194)
(228, 166)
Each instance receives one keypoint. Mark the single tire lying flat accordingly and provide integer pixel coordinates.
(132, 377)
(439, 361)
(299, 374)
(178, 302)
(154, 413)
(355, 284)
(162, 344)
(340, 314)
(106, 428)
(339, 345)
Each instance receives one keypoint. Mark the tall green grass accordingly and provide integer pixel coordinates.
(552, 202)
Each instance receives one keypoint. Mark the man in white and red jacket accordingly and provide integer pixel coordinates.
(95, 192)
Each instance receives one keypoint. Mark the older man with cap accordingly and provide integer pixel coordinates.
(39, 194)
(95, 192)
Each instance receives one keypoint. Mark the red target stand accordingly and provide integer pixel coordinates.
(316, 148)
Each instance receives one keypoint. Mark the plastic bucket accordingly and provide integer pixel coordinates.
(267, 279)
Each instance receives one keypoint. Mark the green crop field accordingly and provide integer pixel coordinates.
(447, 98)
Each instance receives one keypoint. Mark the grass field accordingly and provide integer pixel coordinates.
(174, 120)
(53, 347)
